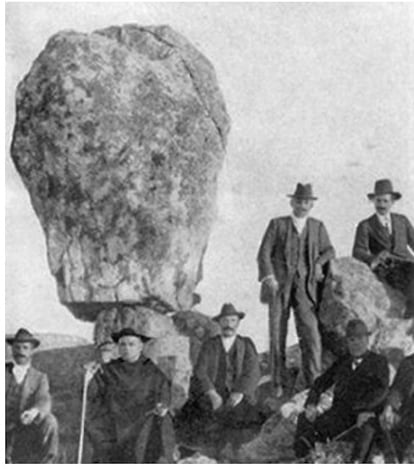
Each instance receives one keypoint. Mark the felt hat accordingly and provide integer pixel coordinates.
(382, 187)
(229, 310)
(23, 335)
(303, 191)
(356, 328)
(128, 331)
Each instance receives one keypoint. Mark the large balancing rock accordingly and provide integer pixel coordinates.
(119, 139)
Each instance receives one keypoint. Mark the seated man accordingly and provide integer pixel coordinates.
(128, 417)
(360, 382)
(382, 242)
(398, 415)
(225, 379)
(31, 429)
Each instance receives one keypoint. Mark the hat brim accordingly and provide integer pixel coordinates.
(293, 196)
(395, 195)
(34, 342)
(240, 315)
(117, 335)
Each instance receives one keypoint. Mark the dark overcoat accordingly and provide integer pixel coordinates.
(121, 399)
(371, 238)
(275, 253)
(401, 396)
(247, 375)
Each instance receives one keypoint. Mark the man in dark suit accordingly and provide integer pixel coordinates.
(31, 428)
(398, 415)
(128, 419)
(360, 381)
(382, 242)
(293, 260)
(225, 378)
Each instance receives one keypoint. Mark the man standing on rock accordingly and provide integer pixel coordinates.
(128, 419)
(382, 242)
(293, 259)
(360, 381)
(31, 428)
(222, 394)
(398, 415)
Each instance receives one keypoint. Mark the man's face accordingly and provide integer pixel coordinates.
(106, 352)
(22, 352)
(301, 207)
(357, 345)
(229, 325)
(130, 348)
(383, 203)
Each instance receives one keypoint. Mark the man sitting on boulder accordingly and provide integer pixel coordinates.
(128, 418)
(360, 381)
(225, 379)
(382, 242)
(31, 428)
(398, 415)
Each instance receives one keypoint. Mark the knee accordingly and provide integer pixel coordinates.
(49, 424)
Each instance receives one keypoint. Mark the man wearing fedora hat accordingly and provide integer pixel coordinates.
(382, 242)
(225, 379)
(360, 384)
(293, 260)
(128, 418)
(31, 428)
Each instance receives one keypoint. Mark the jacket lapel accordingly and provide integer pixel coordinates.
(379, 232)
(240, 349)
(27, 387)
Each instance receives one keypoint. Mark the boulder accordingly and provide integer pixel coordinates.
(119, 138)
(353, 291)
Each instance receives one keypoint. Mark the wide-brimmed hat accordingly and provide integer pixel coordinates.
(303, 191)
(229, 310)
(356, 328)
(23, 335)
(382, 187)
(128, 331)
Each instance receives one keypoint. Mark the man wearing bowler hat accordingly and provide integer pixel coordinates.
(293, 260)
(360, 380)
(31, 428)
(225, 378)
(128, 418)
(382, 242)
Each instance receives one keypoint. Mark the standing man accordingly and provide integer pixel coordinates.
(128, 418)
(382, 242)
(225, 378)
(398, 415)
(293, 260)
(360, 381)
(31, 428)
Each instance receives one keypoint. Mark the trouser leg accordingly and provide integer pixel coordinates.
(409, 293)
(278, 327)
(363, 438)
(49, 435)
(308, 331)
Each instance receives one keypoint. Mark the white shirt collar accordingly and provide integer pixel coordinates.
(385, 220)
(20, 371)
(299, 222)
(228, 342)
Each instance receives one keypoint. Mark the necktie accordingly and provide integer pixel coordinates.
(387, 227)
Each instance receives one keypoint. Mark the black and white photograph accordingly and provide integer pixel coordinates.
(209, 232)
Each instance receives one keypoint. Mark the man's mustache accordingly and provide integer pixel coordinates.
(228, 329)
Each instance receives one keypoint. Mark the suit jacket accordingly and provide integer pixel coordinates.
(355, 391)
(247, 367)
(274, 257)
(371, 238)
(401, 396)
(35, 392)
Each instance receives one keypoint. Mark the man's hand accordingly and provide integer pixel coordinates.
(318, 272)
(90, 369)
(388, 418)
(311, 412)
(380, 260)
(234, 399)
(363, 418)
(29, 415)
(215, 399)
(271, 283)
(161, 409)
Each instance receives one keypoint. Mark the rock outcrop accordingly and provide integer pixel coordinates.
(119, 138)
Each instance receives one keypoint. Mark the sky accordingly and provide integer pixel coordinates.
(317, 92)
